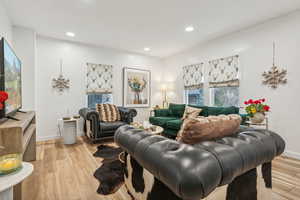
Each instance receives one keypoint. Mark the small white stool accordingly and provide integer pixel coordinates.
(7, 182)
(68, 130)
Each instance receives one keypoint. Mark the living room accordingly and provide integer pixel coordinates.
(149, 58)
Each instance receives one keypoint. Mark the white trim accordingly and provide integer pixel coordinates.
(49, 137)
(54, 137)
(211, 97)
(292, 154)
(185, 97)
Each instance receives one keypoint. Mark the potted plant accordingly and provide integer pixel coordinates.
(256, 110)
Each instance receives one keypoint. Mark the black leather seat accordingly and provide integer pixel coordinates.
(109, 126)
(194, 171)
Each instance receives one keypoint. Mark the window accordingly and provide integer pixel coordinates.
(94, 99)
(224, 96)
(194, 97)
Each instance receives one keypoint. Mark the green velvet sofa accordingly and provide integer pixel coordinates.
(170, 119)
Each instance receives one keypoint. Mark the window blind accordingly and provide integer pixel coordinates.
(99, 79)
(224, 72)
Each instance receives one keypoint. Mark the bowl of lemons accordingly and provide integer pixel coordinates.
(10, 163)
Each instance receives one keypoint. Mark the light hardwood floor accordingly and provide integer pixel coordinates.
(66, 173)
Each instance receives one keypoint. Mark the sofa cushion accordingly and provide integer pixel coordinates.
(191, 112)
(222, 110)
(195, 130)
(109, 126)
(170, 133)
(160, 121)
(176, 110)
(204, 109)
(174, 124)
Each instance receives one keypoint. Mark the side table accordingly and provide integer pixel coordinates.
(68, 130)
(264, 124)
(7, 182)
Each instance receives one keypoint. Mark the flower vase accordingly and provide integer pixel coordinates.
(136, 98)
(258, 118)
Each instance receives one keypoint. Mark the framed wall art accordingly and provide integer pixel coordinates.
(136, 87)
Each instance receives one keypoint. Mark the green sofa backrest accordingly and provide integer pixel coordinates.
(177, 110)
(209, 110)
(223, 110)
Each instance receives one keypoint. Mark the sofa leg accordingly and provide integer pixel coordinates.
(266, 171)
(243, 187)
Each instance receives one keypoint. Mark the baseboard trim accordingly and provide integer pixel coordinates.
(52, 137)
(45, 138)
(292, 154)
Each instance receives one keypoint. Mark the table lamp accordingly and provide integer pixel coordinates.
(164, 90)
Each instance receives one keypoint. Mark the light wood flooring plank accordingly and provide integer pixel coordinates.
(65, 172)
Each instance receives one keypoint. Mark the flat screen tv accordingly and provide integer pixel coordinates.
(10, 79)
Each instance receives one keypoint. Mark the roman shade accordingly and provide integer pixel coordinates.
(99, 79)
(193, 76)
(224, 72)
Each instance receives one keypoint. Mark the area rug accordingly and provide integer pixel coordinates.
(108, 153)
(111, 173)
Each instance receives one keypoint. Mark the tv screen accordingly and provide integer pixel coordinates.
(11, 77)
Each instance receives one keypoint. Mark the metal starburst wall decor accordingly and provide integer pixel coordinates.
(275, 76)
(60, 83)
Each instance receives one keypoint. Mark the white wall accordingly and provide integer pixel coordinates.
(24, 46)
(50, 106)
(254, 46)
(5, 24)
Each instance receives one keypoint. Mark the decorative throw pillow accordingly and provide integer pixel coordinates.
(108, 112)
(191, 112)
(195, 130)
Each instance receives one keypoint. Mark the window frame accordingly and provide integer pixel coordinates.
(88, 104)
(212, 96)
(186, 96)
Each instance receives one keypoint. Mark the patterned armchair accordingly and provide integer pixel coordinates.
(95, 129)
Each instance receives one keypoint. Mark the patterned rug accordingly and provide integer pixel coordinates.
(111, 173)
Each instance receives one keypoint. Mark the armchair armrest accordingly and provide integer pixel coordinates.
(127, 114)
(161, 112)
(92, 117)
(88, 113)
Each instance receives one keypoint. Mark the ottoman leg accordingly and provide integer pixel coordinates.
(266, 171)
(243, 187)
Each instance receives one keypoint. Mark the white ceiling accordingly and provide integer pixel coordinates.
(134, 24)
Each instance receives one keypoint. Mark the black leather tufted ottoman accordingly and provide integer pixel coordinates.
(192, 172)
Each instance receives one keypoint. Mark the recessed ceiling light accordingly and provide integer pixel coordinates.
(147, 49)
(189, 29)
(70, 34)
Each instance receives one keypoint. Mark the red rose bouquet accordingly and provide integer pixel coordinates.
(3, 98)
(256, 106)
